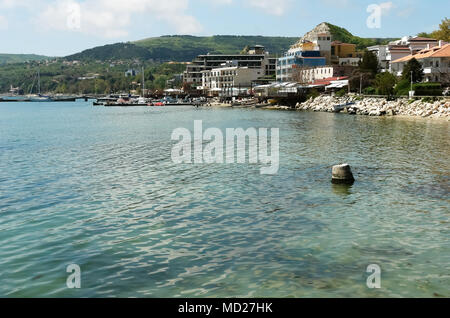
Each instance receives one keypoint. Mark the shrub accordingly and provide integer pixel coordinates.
(313, 94)
(428, 89)
(370, 91)
(427, 100)
(341, 93)
(385, 83)
(421, 89)
(403, 88)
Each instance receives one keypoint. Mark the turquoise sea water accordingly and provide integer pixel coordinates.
(96, 187)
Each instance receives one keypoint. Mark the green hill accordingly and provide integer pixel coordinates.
(20, 58)
(343, 35)
(118, 51)
(186, 48)
(181, 48)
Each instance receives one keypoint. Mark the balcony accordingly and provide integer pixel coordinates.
(435, 70)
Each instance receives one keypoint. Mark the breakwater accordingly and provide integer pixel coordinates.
(379, 107)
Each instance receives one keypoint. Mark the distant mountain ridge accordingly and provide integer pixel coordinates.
(20, 58)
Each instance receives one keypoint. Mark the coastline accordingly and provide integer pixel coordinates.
(402, 108)
(438, 110)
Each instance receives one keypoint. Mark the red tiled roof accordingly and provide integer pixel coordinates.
(422, 39)
(399, 48)
(433, 52)
(327, 81)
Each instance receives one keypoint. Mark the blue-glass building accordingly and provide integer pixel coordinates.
(297, 59)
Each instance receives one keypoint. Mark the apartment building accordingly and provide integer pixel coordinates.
(257, 58)
(344, 54)
(230, 77)
(396, 50)
(296, 59)
(435, 62)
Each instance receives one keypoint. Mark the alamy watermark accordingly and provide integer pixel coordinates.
(376, 12)
(73, 21)
(224, 149)
(74, 279)
(374, 280)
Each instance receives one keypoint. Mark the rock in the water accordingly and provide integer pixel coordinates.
(342, 174)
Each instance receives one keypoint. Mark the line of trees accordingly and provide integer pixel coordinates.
(103, 78)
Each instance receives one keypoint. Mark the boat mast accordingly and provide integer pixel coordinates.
(39, 80)
(143, 82)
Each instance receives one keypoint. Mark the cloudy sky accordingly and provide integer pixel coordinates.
(62, 27)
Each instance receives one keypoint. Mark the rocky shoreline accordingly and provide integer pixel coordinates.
(378, 106)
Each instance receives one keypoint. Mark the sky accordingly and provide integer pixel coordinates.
(63, 27)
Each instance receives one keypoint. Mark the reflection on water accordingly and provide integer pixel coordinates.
(342, 189)
(96, 187)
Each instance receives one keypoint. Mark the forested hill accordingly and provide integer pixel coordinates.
(182, 48)
(186, 48)
(343, 35)
(19, 58)
(118, 51)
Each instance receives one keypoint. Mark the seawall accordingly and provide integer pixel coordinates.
(379, 107)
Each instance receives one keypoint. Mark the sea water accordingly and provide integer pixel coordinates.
(96, 187)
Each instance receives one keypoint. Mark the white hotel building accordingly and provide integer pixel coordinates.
(230, 76)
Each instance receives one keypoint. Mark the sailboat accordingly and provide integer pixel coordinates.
(142, 100)
(38, 97)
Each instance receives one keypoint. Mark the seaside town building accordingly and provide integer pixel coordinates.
(344, 54)
(296, 59)
(308, 75)
(435, 62)
(310, 58)
(131, 72)
(257, 58)
(230, 76)
(312, 50)
(401, 48)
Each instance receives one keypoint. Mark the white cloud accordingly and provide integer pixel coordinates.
(3, 23)
(9, 4)
(405, 13)
(386, 7)
(336, 3)
(220, 2)
(277, 8)
(111, 18)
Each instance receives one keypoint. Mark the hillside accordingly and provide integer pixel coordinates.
(118, 51)
(20, 58)
(58, 77)
(343, 35)
(185, 48)
(182, 48)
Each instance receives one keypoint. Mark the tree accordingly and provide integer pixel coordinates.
(444, 31)
(385, 83)
(417, 71)
(360, 80)
(369, 63)
(424, 35)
